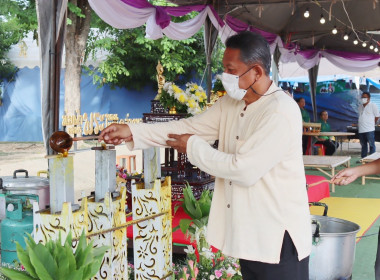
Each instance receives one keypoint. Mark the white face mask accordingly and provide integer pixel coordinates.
(364, 100)
(231, 85)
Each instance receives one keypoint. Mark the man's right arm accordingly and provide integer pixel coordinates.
(205, 125)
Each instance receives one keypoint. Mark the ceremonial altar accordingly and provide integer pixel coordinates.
(176, 164)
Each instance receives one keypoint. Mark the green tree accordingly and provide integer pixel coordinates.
(132, 58)
(17, 18)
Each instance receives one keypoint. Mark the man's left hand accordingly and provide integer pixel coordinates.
(179, 143)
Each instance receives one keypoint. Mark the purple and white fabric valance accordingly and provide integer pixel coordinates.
(126, 14)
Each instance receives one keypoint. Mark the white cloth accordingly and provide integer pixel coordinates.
(367, 117)
(260, 186)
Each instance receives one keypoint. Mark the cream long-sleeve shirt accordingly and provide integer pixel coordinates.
(260, 186)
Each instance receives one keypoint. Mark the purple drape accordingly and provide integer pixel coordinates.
(163, 18)
(354, 56)
(163, 13)
(239, 26)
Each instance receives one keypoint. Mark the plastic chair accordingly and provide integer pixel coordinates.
(321, 149)
(128, 161)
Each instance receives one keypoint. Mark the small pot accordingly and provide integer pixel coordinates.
(26, 184)
(333, 251)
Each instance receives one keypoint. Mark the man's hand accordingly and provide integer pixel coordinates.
(345, 176)
(116, 134)
(179, 143)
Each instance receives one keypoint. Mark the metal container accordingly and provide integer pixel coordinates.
(333, 251)
(22, 183)
(18, 222)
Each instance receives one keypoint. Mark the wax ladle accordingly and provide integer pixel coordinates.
(61, 141)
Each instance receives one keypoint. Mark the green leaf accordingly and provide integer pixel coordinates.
(99, 251)
(198, 211)
(63, 262)
(46, 259)
(23, 256)
(93, 268)
(175, 228)
(188, 203)
(69, 240)
(70, 258)
(41, 271)
(15, 274)
(184, 224)
(198, 223)
(30, 243)
(76, 274)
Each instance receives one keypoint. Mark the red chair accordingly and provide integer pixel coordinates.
(321, 149)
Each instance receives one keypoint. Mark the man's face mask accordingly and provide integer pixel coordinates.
(364, 100)
(231, 85)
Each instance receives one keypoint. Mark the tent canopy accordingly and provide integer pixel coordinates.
(286, 19)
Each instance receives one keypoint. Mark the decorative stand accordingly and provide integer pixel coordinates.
(60, 218)
(152, 239)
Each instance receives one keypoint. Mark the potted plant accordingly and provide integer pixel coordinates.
(54, 261)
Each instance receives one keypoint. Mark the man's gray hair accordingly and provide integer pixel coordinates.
(253, 49)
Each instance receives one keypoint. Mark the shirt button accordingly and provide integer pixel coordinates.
(228, 206)
(237, 137)
(241, 114)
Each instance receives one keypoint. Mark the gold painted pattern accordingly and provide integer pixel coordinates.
(152, 238)
(48, 226)
(105, 215)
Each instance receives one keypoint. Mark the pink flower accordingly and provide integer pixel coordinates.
(124, 176)
(191, 264)
(196, 271)
(218, 274)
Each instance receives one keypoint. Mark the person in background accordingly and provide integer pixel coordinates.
(347, 176)
(305, 118)
(368, 116)
(330, 145)
(259, 211)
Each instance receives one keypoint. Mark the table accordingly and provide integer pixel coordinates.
(369, 159)
(330, 162)
(337, 134)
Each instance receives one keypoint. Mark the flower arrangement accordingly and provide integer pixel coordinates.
(121, 172)
(210, 266)
(210, 263)
(190, 101)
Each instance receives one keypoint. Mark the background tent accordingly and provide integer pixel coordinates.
(292, 37)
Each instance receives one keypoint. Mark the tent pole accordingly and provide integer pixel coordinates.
(275, 62)
(313, 74)
(52, 82)
(210, 37)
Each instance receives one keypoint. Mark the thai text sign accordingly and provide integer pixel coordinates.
(93, 123)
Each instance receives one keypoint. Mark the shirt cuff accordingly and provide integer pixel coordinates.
(189, 147)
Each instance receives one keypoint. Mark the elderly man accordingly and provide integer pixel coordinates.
(259, 210)
(368, 116)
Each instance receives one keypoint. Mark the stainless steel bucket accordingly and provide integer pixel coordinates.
(333, 251)
(22, 183)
